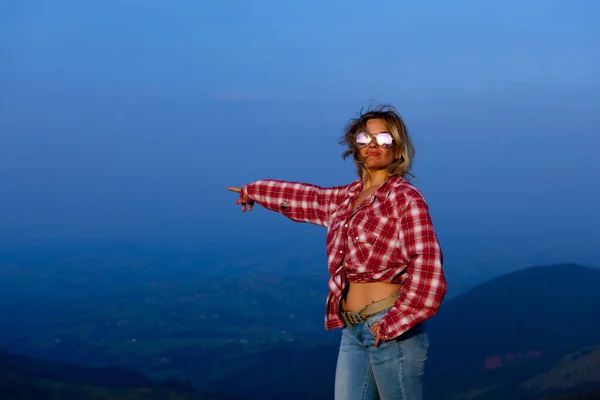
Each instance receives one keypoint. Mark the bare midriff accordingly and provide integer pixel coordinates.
(361, 294)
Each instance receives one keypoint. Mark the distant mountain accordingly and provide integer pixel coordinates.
(26, 378)
(511, 328)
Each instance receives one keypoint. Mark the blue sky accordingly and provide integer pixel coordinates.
(126, 120)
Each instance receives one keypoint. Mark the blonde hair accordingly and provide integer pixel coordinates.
(404, 151)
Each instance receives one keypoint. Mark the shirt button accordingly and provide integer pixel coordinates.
(357, 238)
(346, 225)
(341, 251)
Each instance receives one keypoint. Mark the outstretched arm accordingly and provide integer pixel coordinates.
(300, 202)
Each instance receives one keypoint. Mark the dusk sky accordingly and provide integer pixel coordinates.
(127, 119)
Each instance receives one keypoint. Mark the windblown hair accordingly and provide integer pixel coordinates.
(404, 152)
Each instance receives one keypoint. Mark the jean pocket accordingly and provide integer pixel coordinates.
(422, 339)
(375, 318)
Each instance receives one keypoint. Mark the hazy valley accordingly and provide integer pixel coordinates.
(256, 330)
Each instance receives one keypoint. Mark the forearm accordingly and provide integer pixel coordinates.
(420, 298)
(267, 192)
(424, 287)
(300, 202)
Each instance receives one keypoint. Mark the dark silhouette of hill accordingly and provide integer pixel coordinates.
(24, 378)
(584, 394)
(117, 377)
(512, 327)
(295, 371)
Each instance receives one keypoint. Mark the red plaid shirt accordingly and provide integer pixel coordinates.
(389, 237)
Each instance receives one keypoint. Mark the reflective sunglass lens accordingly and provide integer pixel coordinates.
(362, 140)
(385, 140)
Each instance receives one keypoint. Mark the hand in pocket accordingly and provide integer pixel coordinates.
(374, 328)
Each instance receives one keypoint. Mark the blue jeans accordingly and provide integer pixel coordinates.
(392, 371)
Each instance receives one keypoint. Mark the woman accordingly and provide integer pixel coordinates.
(384, 258)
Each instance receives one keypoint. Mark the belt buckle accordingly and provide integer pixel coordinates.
(351, 318)
(345, 318)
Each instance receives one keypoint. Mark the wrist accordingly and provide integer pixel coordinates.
(244, 195)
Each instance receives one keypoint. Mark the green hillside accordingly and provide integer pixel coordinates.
(574, 370)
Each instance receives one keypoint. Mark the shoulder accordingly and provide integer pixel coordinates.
(404, 192)
(352, 186)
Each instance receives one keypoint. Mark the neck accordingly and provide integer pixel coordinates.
(376, 178)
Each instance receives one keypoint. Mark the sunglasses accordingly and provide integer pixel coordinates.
(383, 139)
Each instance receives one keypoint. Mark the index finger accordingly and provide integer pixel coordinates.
(374, 328)
(234, 189)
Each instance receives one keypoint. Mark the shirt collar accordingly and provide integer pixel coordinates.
(382, 191)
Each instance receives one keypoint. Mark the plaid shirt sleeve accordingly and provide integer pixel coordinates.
(300, 202)
(425, 285)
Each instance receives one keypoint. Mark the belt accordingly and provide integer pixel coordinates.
(360, 316)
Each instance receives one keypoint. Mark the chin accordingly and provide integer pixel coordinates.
(377, 164)
(376, 167)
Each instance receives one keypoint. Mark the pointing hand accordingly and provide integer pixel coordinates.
(244, 203)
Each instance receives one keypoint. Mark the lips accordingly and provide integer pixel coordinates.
(373, 153)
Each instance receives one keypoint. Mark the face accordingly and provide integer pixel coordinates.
(377, 157)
